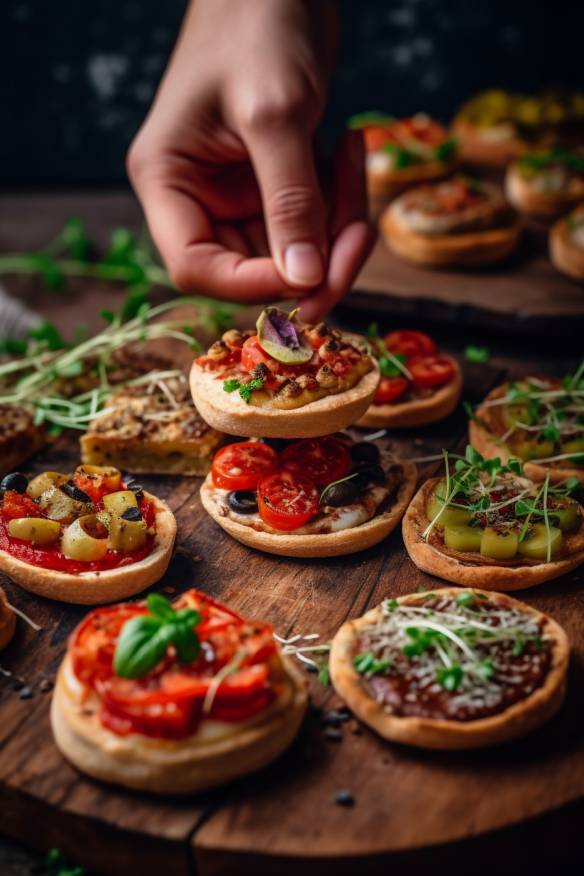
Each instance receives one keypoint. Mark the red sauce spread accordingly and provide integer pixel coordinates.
(501, 657)
(50, 557)
(169, 702)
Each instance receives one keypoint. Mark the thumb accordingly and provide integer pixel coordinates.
(293, 206)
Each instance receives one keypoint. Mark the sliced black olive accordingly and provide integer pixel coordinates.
(132, 514)
(341, 493)
(243, 501)
(15, 481)
(365, 451)
(372, 472)
(135, 487)
(73, 491)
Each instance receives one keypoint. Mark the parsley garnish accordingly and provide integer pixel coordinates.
(245, 389)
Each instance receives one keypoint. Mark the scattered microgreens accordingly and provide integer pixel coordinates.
(56, 866)
(367, 664)
(324, 674)
(536, 161)
(372, 117)
(450, 677)
(144, 639)
(35, 378)
(245, 389)
(401, 156)
(445, 150)
(477, 354)
(390, 364)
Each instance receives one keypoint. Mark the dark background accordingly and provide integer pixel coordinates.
(78, 76)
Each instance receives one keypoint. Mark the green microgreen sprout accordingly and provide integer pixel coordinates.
(245, 389)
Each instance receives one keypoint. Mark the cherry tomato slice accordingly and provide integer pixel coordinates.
(431, 371)
(376, 137)
(252, 355)
(240, 466)
(287, 501)
(390, 389)
(410, 343)
(323, 460)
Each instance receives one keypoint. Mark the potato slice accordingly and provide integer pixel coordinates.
(499, 544)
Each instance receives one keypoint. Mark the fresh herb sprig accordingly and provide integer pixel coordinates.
(245, 389)
(56, 865)
(390, 364)
(145, 639)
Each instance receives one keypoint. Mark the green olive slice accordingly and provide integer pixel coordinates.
(117, 503)
(535, 545)
(57, 505)
(37, 530)
(127, 535)
(85, 539)
(463, 538)
(43, 482)
(499, 544)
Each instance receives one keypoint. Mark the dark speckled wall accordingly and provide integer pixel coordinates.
(77, 76)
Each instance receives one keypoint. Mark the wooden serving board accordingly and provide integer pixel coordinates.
(525, 295)
(412, 808)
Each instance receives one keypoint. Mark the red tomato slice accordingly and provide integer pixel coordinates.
(410, 343)
(97, 486)
(323, 460)
(240, 466)
(390, 389)
(19, 505)
(253, 354)
(431, 371)
(287, 501)
(376, 137)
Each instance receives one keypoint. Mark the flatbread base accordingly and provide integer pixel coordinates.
(566, 255)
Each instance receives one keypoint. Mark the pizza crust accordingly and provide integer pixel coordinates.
(494, 576)
(175, 767)
(227, 412)
(390, 184)
(527, 199)
(330, 544)
(474, 148)
(419, 412)
(515, 721)
(490, 446)
(566, 255)
(7, 621)
(95, 588)
(445, 250)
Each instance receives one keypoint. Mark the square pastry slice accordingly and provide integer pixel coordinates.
(154, 431)
(19, 436)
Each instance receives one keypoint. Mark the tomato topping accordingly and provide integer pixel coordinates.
(323, 460)
(287, 501)
(252, 354)
(168, 701)
(96, 486)
(410, 343)
(19, 505)
(239, 466)
(431, 371)
(390, 389)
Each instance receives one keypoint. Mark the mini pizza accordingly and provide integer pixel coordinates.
(174, 698)
(157, 432)
(486, 525)
(540, 420)
(418, 384)
(401, 153)
(87, 538)
(20, 438)
(451, 669)
(546, 184)
(495, 127)
(285, 380)
(317, 497)
(459, 222)
(566, 244)
(7, 621)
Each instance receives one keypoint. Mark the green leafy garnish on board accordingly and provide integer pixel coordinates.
(56, 866)
(477, 354)
(245, 389)
(144, 640)
(371, 117)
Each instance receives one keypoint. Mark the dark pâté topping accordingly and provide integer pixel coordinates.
(460, 658)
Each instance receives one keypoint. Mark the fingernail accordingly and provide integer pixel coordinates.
(303, 264)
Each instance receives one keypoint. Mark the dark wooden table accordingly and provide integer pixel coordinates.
(512, 808)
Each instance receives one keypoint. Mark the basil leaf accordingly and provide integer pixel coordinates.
(186, 642)
(160, 607)
(141, 646)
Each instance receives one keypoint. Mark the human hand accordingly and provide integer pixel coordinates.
(224, 164)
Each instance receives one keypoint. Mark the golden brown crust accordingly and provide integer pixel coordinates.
(491, 446)
(460, 569)
(7, 621)
(95, 588)
(418, 412)
(516, 721)
(228, 413)
(174, 767)
(543, 204)
(330, 544)
(445, 250)
(475, 148)
(390, 184)
(20, 438)
(565, 254)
